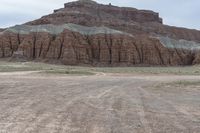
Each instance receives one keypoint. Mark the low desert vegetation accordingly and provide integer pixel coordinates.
(6, 66)
(176, 86)
(71, 72)
(184, 83)
(189, 70)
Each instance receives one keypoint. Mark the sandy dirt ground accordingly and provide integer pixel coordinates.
(103, 103)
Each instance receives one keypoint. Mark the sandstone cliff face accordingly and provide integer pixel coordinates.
(129, 20)
(85, 32)
(81, 11)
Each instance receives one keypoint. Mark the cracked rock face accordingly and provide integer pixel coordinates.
(85, 32)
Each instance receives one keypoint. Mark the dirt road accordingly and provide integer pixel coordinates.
(35, 103)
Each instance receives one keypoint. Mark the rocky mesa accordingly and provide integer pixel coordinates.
(86, 32)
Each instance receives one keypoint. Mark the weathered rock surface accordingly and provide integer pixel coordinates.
(85, 32)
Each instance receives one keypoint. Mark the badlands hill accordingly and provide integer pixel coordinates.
(86, 32)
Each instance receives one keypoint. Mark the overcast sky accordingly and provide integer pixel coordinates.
(182, 13)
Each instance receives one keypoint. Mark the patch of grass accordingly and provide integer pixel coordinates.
(192, 70)
(14, 69)
(68, 72)
(185, 83)
(176, 84)
(6, 66)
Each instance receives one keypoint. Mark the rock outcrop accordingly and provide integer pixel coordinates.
(85, 32)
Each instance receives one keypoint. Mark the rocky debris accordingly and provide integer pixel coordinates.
(85, 32)
(19, 56)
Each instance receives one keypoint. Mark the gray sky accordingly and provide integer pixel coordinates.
(182, 13)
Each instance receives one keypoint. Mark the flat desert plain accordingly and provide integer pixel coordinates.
(43, 98)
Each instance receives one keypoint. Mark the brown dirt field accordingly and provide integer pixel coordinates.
(103, 103)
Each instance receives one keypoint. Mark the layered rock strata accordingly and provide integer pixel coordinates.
(85, 32)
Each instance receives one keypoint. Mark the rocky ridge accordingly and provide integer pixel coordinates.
(85, 32)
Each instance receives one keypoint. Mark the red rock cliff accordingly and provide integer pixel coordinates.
(85, 32)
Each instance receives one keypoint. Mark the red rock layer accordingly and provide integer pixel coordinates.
(102, 50)
(142, 48)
